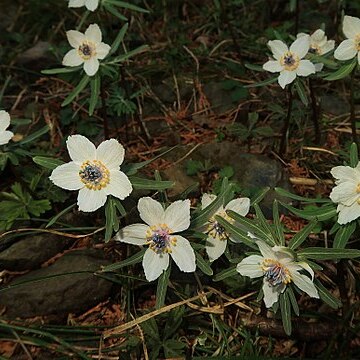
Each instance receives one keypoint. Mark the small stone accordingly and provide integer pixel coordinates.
(61, 290)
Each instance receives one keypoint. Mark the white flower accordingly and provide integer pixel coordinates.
(159, 235)
(90, 4)
(93, 171)
(350, 47)
(5, 135)
(217, 236)
(279, 269)
(288, 61)
(346, 192)
(88, 49)
(319, 45)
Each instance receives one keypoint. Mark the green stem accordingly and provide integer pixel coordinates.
(352, 107)
(315, 112)
(285, 130)
(83, 18)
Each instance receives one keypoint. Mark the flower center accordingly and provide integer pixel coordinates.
(290, 61)
(275, 273)
(357, 42)
(216, 230)
(358, 188)
(94, 174)
(86, 50)
(159, 239)
(314, 49)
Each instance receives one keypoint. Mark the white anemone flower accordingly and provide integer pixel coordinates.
(346, 192)
(278, 268)
(289, 62)
(89, 4)
(95, 172)
(5, 135)
(319, 45)
(88, 49)
(160, 235)
(350, 47)
(217, 236)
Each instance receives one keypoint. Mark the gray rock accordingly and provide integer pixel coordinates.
(30, 252)
(250, 170)
(334, 104)
(37, 57)
(58, 294)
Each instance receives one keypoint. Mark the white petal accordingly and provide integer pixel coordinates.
(345, 173)
(250, 266)
(91, 200)
(358, 56)
(271, 294)
(76, 3)
(154, 264)
(102, 50)
(80, 149)
(351, 26)
(177, 215)
(4, 120)
(110, 153)
(240, 206)
(304, 284)
(307, 267)
(318, 35)
(215, 248)
(328, 46)
(286, 77)
(5, 136)
(67, 176)
(278, 48)
(91, 66)
(265, 250)
(91, 4)
(305, 68)
(119, 185)
(301, 46)
(93, 33)
(151, 211)
(206, 200)
(133, 234)
(345, 193)
(183, 254)
(301, 35)
(319, 67)
(75, 38)
(348, 213)
(346, 50)
(72, 58)
(273, 66)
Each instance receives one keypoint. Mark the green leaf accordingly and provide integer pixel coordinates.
(285, 308)
(203, 265)
(135, 259)
(254, 67)
(111, 220)
(326, 296)
(222, 275)
(65, 70)
(345, 70)
(343, 235)
(147, 184)
(319, 253)
(126, 5)
(162, 286)
(128, 55)
(119, 38)
(262, 83)
(321, 213)
(46, 162)
(112, 10)
(264, 224)
(292, 299)
(259, 195)
(278, 226)
(80, 87)
(95, 84)
(354, 155)
(301, 236)
(301, 92)
(290, 195)
(35, 135)
(59, 215)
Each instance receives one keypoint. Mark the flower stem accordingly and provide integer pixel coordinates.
(315, 112)
(285, 130)
(104, 112)
(352, 107)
